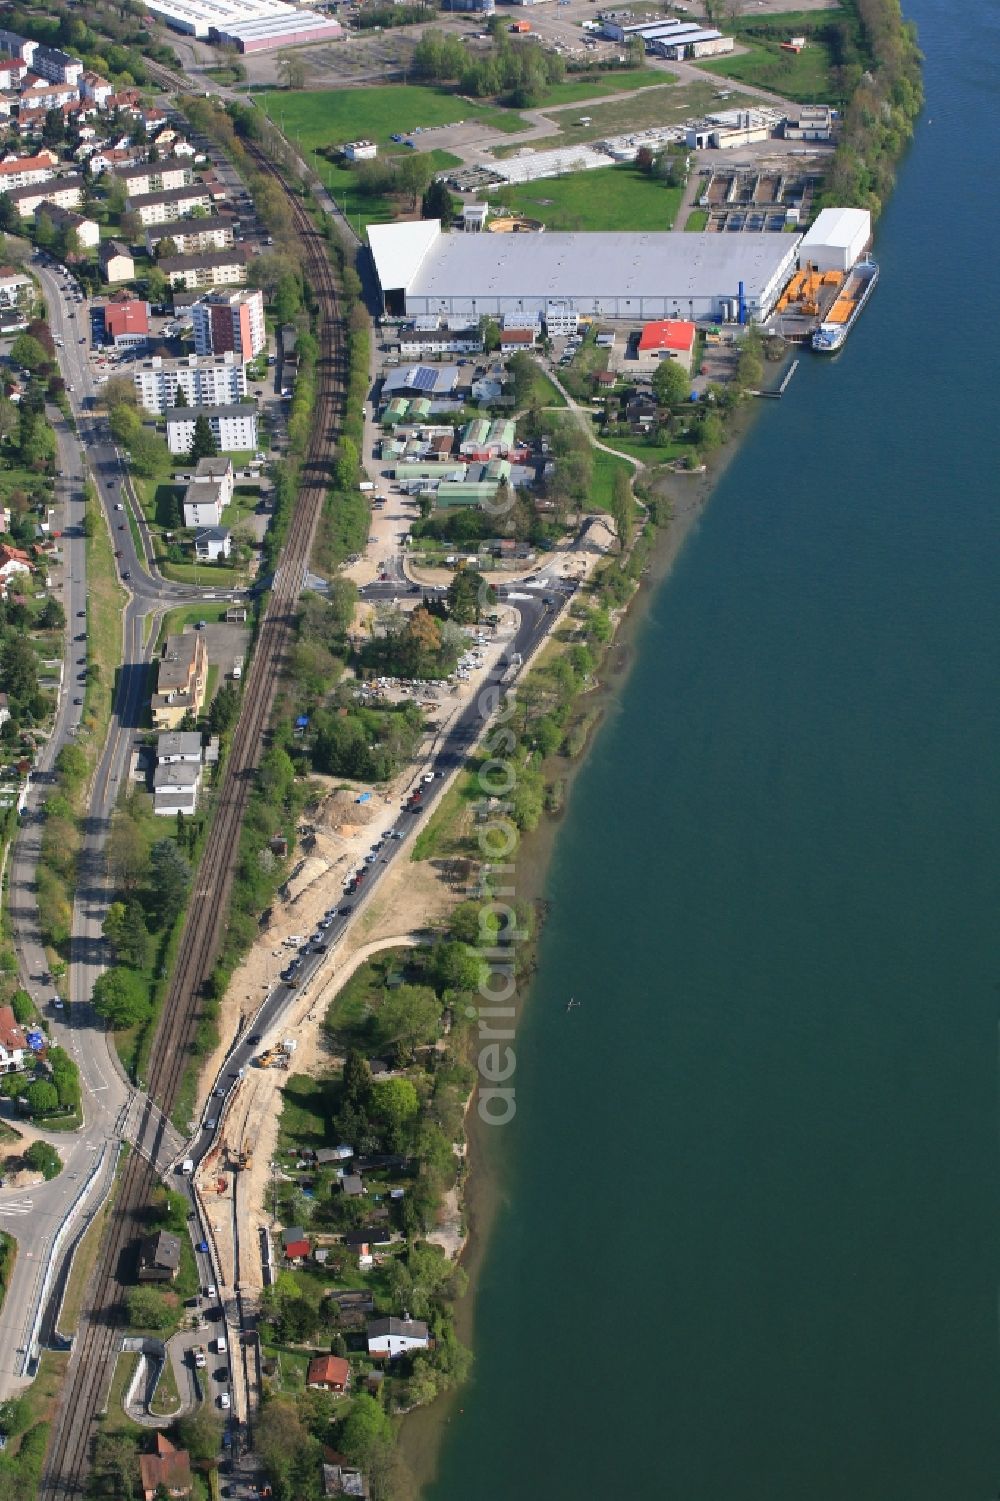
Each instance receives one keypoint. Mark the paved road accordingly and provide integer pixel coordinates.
(536, 609)
(35, 1218)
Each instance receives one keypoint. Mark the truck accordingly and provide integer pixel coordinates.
(200, 1357)
(187, 1166)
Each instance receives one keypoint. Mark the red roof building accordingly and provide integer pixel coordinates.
(672, 337)
(167, 1467)
(13, 1043)
(126, 320)
(329, 1373)
(297, 1250)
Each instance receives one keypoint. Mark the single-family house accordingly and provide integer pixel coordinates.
(159, 1257)
(12, 563)
(16, 289)
(343, 1479)
(388, 1338)
(352, 1185)
(213, 543)
(328, 1373)
(13, 1043)
(294, 1244)
(167, 1468)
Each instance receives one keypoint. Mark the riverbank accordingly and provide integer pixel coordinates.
(486, 1184)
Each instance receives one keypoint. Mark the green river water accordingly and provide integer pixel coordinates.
(749, 1233)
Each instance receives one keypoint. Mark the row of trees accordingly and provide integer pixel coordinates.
(879, 117)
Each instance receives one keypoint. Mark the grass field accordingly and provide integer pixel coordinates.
(621, 197)
(323, 118)
(805, 76)
(697, 220)
(606, 466)
(575, 90)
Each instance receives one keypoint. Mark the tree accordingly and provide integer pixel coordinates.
(42, 1097)
(455, 966)
(394, 1106)
(118, 391)
(147, 1309)
(225, 709)
(200, 1433)
(671, 383)
(365, 1431)
(413, 174)
(116, 1462)
(18, 668)
(128, 857)
(165, 247)
(407, 1018)
(622, 508)
(43, 1158)
(171, 877)
(292, 70)
(203, 443)
(28, 352)
(172, 1210)
(22, 1006)
(121, 998)
(437, 203)
(52, 616)
(467, 594)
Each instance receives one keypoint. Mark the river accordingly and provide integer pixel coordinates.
(750, 1229)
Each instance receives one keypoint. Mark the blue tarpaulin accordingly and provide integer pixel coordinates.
(36, 1041)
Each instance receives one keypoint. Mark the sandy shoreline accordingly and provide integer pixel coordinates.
(423, 1431)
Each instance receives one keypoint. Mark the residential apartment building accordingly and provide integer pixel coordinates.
(210, 268)
(56, 66)
(38, 95)
(233, 427)
(154, 177)
(115, 261)
(65, 192)
(192, 235)
(88, 231)
(177, 773)
(230, 321)
(93, 86)
(25, 171)
(204, 380)
(182, 676)
(172, 203)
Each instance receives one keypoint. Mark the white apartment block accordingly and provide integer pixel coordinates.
(212, 381)
(165, 207)
(194, 235)
(154, 177)
(233, 427)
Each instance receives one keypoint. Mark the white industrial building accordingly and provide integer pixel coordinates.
(671, 38)
(234, 427)
(641, 276)
(839, 237)
(206, 381)
(250, 25)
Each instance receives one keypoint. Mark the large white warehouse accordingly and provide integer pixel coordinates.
(839, 237)
(643, 276)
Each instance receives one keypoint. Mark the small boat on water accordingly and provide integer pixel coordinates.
(859, 286)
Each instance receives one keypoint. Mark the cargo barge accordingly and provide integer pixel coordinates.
(859, 286)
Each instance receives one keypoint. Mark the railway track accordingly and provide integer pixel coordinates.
(88, 1378)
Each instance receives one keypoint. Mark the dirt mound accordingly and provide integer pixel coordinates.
(343, 814)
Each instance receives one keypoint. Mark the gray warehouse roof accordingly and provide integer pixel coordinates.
(582, 265)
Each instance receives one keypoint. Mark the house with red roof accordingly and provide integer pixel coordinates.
(166, 1469)
(12, 562)
(670, 338)
(328, 1373)
(13, 1043)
